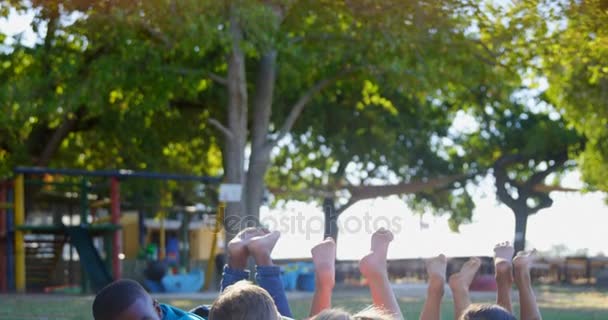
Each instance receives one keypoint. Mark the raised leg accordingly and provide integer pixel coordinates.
(503, 253)
(324, 259)
(234, 271)
(435, 269)
(527, 300)
(268, 276)
(373, 266)
(460, 283)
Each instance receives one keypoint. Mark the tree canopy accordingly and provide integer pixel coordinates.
(562, 48)
(318, 99)
(576, 67)
(93, 94)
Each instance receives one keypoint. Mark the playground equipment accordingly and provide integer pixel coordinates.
(34, 247)
(90, 260)
(192, 247)
(190, 282)
(6, 265)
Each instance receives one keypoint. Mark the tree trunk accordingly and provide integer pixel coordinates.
(331, 219)
(247, 211)
(56, 138)
(532, 188)
(254, 186)
(234, 146)
(260, 145)
(521, 224)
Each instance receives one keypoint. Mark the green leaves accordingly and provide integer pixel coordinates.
(106, 75)
(575, 65)
(371, 96)
(137, 81)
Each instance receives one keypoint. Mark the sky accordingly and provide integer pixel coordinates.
(19, 24)
(578, 221)
(575, 220)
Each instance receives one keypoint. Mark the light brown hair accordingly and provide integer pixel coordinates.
(371, 313)
(244, 301)
(486, 312)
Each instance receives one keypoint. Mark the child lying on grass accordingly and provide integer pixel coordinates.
(240, 299)
(128, 300)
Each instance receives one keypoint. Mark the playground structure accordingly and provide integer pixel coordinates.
(49, 244)
(42, 229)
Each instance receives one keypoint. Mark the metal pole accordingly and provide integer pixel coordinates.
(162, 248)
(84, 203)
(10, 252)
(19, 237)
(71, 262)
(219, 218)
(115, 211)
(4, 236)
(117, 174)
(165, 202)
(185, 242)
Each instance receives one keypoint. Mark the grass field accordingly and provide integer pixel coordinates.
(556, 303)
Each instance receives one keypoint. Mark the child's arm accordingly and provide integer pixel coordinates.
(373, 266)
(324, 259)
(527, 301)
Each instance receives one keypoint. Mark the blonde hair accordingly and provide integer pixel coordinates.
(369, 313)
(486, 312)
(244, 301)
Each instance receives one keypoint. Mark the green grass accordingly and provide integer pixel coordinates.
(556, 303)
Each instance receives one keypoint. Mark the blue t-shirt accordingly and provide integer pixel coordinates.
(172, 313)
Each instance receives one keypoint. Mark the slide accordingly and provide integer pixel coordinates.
(92, 263)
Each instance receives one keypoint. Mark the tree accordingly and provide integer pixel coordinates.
(576, 67)
(387, 148)
(564, 44)
(523, 149)
(395, 132)
(92, 97)
(284, 63)
(522, 139)
(406, 67)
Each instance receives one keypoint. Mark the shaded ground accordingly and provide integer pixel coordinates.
(556, 303)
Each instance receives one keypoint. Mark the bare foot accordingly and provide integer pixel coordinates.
(374, 263)
(503, 253)
(435, 269)
(261, 247)
(522, 262)
(324, 259)
(462, 279)
(381, 239)
(237, 247)
(524, 259)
